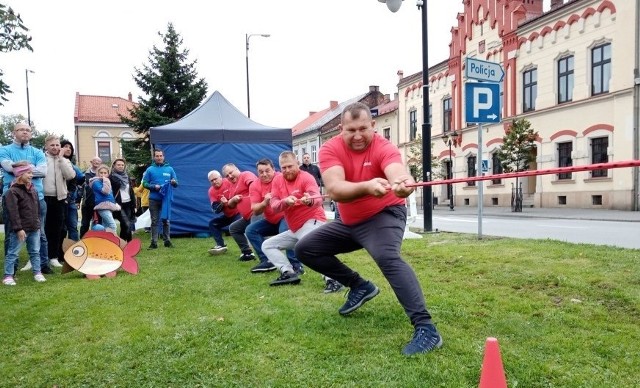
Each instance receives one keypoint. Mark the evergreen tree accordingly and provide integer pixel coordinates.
(172, 90)
(13, 37)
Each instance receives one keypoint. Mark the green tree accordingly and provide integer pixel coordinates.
(516, 152)
(415, 160)
(13, 37)
(172, 89)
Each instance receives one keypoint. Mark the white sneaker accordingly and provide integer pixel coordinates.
(8, 281)
(55, 263)
(27, 267)
(39, 278)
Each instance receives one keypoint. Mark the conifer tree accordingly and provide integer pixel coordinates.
(172, 89)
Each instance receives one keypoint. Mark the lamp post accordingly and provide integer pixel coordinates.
(26, 75)
(427, 192)
(246, 39)
(449, 139)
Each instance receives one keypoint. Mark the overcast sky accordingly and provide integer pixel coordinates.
(318, 51)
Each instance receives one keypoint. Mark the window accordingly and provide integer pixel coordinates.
(387, 133)
(104, 151)
(565, 79)
(446, 115)
(529, 90)
(496, 168)
(564, 158)
(471, 168)
(600, 69)
(599, 147)
(304, 151)
(314, 154)
(413, 124)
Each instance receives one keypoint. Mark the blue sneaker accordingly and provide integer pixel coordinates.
(425, 339)
(358, 296)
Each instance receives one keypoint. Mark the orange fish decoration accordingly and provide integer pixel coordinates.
(100, 253)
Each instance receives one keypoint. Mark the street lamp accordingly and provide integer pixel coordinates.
(427, 193)
(449, 139)
(26, 74)
(246, 39)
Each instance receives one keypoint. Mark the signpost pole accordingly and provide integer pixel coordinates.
(480, 183)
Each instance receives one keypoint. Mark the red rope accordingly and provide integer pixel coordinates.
(558, 170)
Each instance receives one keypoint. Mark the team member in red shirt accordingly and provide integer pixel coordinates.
(240, 199)
(297, 194)
(272, 223)
(225, 216)
(364, 173)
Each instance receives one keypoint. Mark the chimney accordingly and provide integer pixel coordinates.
(387, 98)
(333, 104)
(400, 74)
(312, 113)
(130, 97)
(556, 4)
(395, 96)
(374, 88)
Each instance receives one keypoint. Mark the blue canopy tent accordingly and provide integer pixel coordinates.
(210, 136)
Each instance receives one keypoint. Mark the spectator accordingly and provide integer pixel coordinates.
(240, 199)
(223, 215)
(88, 201)
(365, 174)
(103, 194)
(70, 228)
(124, 196)
(59, 171)
(311, 169)
(295, 193)
(20, 150)
(160, 179)
(272, 223)
(142, 195)
(23, 203)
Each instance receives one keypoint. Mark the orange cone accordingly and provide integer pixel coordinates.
(492, 374)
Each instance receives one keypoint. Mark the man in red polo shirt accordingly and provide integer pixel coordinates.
(364, 173)
(297, 194)
(240, 199)
(224, 215)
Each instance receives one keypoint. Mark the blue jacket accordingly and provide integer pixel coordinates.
(96, 185)
(158, 175)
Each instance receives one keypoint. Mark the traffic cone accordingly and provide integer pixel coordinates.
(492, 374)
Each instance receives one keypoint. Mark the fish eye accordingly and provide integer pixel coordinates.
(78, 251)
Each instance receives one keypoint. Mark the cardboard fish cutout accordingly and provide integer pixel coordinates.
(100, 253)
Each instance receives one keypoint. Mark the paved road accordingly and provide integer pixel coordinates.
(601, 227)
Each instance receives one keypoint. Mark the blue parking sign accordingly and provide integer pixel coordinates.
(482, 102)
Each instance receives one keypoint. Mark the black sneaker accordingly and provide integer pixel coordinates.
(168, 244)
(46, 270)
(153, 245)
(333, 286)
(247, 256)
(424, 340)
(264, 266)
(358, 296)
(286, 278)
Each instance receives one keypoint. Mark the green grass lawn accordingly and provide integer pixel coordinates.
(565, 315)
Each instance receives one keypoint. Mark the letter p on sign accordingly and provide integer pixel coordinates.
(482, 98)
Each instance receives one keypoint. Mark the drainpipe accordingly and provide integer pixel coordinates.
(636, 109)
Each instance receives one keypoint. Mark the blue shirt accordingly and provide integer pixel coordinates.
(13, 153)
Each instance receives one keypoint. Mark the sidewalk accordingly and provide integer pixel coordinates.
(533, 212)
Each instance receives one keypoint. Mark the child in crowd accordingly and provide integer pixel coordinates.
(23, 207)
(105, 202)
